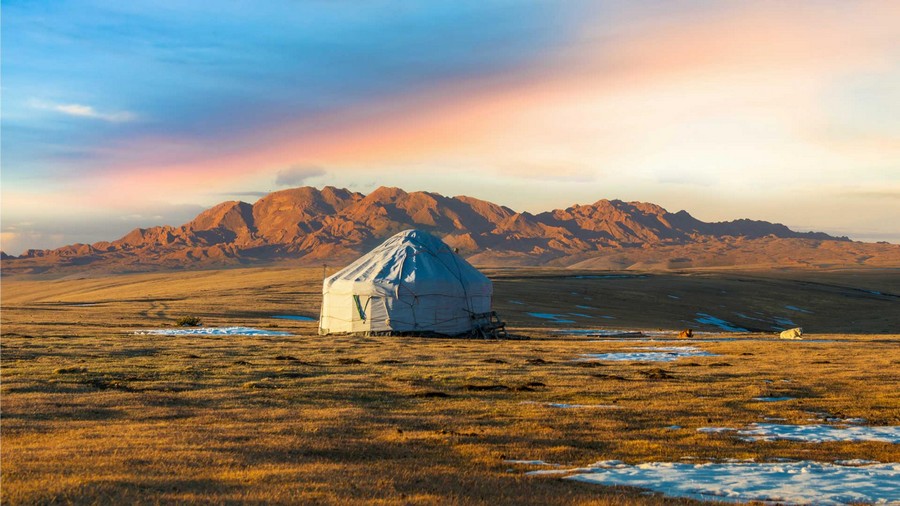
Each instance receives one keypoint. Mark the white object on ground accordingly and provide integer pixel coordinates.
(561, 405)
(773, 399)
(656, 354)
(211, 331)
(795, 333)
(530, 463)
(856, 462)
(799, 482)
(412, 282)
(811, 433)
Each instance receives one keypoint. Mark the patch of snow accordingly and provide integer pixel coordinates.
(585, 307)
(718, 322)
(799, 310)
(800, 482)
(856, 462)
(581, 315)
(816, 433)
(519, 302)
(546, 472)
(673, 427)
(560, 405)
(298, 318)
(612, 332)
(550, 316)
(715, 430)
(609, 464)
(211, 331)
(657, 354)
(742, 315)
(828, 417)
(784, 322)
(530, 463)
(674, 297)
(773, 399)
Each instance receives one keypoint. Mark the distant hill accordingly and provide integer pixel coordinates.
(311, 226)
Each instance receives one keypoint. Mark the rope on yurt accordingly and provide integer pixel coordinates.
(359, 309)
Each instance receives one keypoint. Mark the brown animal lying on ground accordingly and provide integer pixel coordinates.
(684, 334)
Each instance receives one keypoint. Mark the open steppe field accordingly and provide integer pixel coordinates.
(94, 413)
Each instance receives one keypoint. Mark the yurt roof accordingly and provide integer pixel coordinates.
(414, 260)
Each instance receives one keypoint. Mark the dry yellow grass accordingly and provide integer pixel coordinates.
(94, 414)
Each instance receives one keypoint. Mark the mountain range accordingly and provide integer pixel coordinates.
(333, 226)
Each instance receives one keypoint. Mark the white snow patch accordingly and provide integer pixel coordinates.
(718, 322)
(211, 331)
(561, 405)
(799, 482)
(656, 354)
(784, 322)
(550, 316)
(630, 333)
(715, 430)
(856, 462)
(299, 318)
(530, 463)
(829, 418)
(773, 399)
(798, 309)
(811, 433)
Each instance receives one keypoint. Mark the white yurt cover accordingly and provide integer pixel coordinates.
(413, 282)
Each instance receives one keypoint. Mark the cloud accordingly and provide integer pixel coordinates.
(85, 111)
(296, 175)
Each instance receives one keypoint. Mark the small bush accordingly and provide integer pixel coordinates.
(188, 321)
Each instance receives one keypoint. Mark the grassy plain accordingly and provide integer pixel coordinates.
(92, 413)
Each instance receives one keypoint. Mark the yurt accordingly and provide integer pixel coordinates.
(412, 283)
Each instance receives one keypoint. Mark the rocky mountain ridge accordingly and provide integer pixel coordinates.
(311, 226)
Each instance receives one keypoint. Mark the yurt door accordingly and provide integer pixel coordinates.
(369, 313)
(378, 315)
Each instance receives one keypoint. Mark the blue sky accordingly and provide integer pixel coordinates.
(125, 114)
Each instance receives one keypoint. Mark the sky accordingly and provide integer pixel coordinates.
(117, 115)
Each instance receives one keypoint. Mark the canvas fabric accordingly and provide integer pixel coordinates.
(413, 282)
